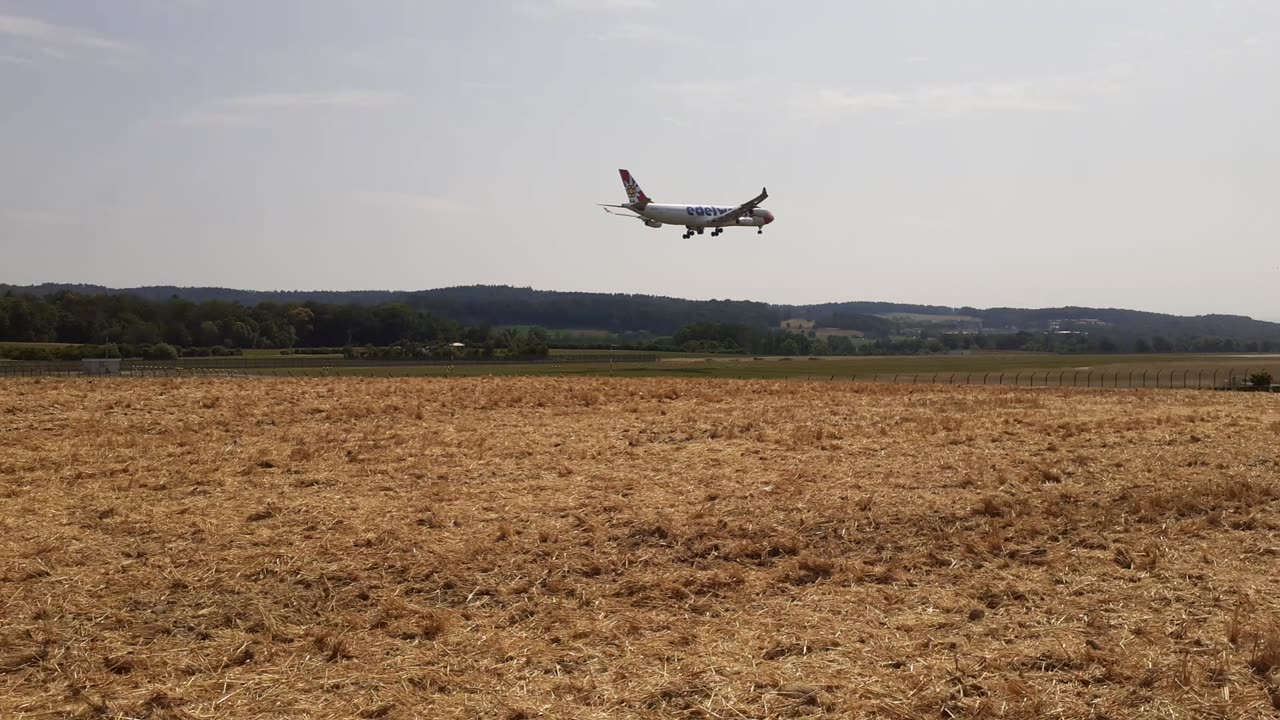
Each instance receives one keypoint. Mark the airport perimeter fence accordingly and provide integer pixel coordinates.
(300, 366)
(1186, 378)
(1175, 379)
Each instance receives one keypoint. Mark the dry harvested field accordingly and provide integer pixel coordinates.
(570, 548)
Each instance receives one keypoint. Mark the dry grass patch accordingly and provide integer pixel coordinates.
(558, 548)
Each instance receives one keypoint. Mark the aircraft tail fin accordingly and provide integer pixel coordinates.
(635, 195)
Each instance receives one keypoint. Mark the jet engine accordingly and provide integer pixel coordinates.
(653, 223)
(748, 221)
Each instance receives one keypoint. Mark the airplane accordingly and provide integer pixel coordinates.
(694, 218)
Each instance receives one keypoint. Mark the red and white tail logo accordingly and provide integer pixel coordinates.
(635, 195)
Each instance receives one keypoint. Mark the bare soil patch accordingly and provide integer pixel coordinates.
(573, 548)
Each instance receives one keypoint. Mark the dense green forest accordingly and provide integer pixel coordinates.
(500, 319)
(134, 326)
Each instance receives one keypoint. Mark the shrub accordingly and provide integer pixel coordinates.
(161, 351)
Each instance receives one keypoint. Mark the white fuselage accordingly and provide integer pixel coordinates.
(695, 216)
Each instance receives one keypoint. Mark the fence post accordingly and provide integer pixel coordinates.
(934, 381)
(1184, 379)
(984, 377)
(1002, 379)
(951, 380)
(1199, 383)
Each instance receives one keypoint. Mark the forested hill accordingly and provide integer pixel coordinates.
(504, 305)
(205, 294)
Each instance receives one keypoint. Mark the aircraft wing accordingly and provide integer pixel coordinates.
(624, 207)
(746, 207)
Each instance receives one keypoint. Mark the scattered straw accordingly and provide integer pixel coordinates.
(559, 548)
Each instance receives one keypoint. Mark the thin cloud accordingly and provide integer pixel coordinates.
(414, 202)
(206, 117)
(694, 90)
(38, 217)
(242, 110)
(551, 8)
(604, 4)
(327, 98)
(57, 39)
(642, 33)
(933, 99)
(830, 101)
(984, 97)
(15, 60)
(1055, 94)
(483, 86)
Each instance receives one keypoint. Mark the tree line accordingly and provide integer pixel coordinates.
(136, 327)
(494, 305)
(730, 338)
(503, 321)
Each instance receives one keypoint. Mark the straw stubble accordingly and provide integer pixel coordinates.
(574, 548)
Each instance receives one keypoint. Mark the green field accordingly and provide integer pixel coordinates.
(993, 368)
(1021, 368)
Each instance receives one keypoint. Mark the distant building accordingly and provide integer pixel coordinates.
(798, 324)
(100, 366)
(1066, 324)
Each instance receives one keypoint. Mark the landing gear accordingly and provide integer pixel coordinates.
(760, 231)
(716, 232)
(688, 233)
(700, 231)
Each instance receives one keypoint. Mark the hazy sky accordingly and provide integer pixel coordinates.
(966, 152)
